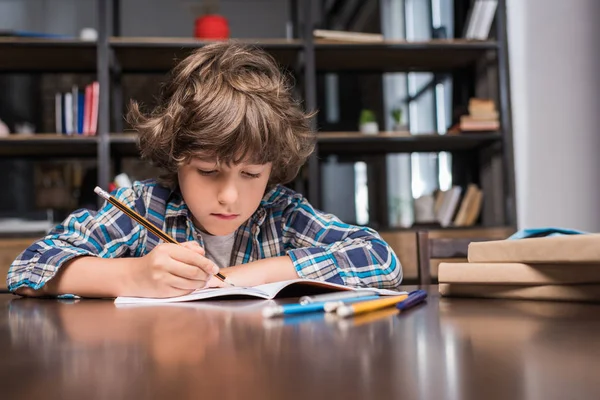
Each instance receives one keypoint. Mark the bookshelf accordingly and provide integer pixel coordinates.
(112, 56)
(342, 143)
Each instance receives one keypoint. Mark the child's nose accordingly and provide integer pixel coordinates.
(228, 193)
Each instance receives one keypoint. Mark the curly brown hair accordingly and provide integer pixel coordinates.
(227, 101)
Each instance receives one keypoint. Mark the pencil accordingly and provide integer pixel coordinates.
(371, 305)
(144, 222)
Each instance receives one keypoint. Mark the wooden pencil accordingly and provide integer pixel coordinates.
(144, 222)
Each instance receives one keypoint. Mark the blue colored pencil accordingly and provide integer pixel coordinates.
(413, 299)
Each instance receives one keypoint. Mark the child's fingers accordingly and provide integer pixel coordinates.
(195, 246)
(213, 282)
(187, 271)
(178, 282)
(191, 257)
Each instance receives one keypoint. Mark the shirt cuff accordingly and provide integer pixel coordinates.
(39, 269)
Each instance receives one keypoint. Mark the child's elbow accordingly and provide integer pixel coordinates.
(391, 271)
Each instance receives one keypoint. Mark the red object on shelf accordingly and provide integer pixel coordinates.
(211, 26)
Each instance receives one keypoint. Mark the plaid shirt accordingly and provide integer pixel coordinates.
(319, 245)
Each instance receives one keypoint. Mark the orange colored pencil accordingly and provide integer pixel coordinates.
(371, 305)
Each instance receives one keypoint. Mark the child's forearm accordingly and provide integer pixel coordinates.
(88, 277)
(262, 271)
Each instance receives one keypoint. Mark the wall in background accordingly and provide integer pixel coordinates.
(555, 73)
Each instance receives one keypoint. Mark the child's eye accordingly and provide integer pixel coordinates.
(249, 175)
(207, 173)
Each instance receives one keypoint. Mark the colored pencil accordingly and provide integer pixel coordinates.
(367, 306)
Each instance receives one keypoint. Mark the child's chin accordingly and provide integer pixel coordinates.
(222, 230)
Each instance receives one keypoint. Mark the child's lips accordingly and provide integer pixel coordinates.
(226, 216)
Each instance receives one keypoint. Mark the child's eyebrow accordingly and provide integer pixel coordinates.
(206, 159)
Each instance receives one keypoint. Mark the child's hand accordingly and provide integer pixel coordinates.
(172, 270)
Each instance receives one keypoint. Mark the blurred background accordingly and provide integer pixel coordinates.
(465, 117)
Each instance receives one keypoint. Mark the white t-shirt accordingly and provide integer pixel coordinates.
(218, 248)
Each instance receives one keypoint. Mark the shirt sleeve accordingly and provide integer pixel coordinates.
(106, 233)
(323, 247)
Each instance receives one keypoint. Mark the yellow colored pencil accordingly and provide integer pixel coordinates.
(371, 305)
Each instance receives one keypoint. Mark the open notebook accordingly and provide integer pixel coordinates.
(291, 288)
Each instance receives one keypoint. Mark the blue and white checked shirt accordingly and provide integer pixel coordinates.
(320, 245)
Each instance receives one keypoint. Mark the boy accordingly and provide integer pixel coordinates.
(227, 135)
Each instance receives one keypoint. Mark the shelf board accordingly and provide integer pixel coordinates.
(160, 54)
(46, 55)
(360, 144)
(48, 145)
(388, 142)
(399, 56)
(124, 144)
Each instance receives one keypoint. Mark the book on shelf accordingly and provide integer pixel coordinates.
(448, 205)
(479, 19)
(348, 36)
(76, 111)
(468, 124)
(452, 208)
(470, 206)
(290, 288)
(482, 117)
(482, 108)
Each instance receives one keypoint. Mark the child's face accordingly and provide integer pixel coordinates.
(222, 197)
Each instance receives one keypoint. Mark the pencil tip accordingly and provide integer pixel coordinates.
(226, 280)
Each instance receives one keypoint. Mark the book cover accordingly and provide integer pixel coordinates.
(518, 273)
(584, 293)
(544, 250)
(348, 36)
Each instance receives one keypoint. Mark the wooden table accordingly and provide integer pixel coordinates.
(445, 349)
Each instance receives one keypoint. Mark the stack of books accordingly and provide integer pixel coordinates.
(565, 268)
(482, 116)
